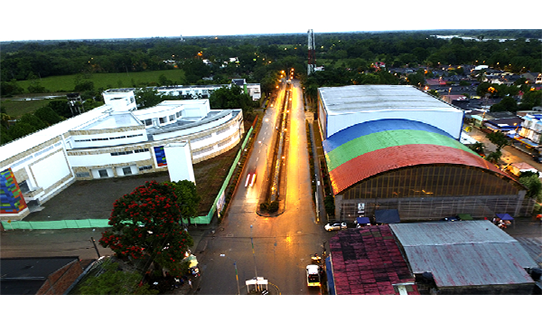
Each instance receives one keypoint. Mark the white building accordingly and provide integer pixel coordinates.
(113, 140)
(204, 91)
(342, 107)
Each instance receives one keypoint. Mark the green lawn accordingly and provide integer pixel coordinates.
(16, 109)
(64, 84)
(108, 80)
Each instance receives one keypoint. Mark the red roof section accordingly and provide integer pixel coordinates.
(367, 261)
(379, 161)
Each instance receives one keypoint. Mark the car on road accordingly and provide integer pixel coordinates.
(335, 226)
(251, 178)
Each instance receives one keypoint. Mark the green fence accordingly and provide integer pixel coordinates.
(57, 224)
(103, 223)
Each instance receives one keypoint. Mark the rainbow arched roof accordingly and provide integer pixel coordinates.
(366, 149)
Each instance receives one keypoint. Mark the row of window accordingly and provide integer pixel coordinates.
(111, 138)
(122, 153)
(163, 119)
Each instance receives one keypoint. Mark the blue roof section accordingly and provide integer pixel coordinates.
(366, 128)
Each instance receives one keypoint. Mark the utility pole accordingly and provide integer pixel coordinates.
(312, 60)
(95, 247)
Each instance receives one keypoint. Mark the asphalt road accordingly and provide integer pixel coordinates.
(49, 243)
(275, 248)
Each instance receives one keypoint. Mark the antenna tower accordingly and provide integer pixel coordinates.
(312, 59)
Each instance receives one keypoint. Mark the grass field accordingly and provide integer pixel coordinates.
(16, 109)
(65, 84)
(107, 80)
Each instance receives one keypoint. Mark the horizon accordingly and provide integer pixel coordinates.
(64, 20)
(445, 32)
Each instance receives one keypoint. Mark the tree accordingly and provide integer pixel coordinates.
(506, 104)
(498, 138)
(187, 198)
(494, 156)
(115, 282)
(145, 226)
(48, 115)
(477, 147)
(147, 97)
(532, 182)
(230, 97)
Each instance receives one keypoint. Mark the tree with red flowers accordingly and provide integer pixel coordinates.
(145, 226)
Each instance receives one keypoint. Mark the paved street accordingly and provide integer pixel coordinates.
(282, 244)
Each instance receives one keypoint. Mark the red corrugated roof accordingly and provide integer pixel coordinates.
(367, 261)
(379, 161)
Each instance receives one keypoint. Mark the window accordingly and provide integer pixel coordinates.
(82, 174)
(172, 117)
(127, 171)
(145, 167)
(24, 187)
(103, 173)
(163, 120)
(148, 122)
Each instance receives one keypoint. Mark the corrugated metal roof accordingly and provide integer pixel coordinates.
(370, 127)
(339, 100)
(387, 139)
(370, 148)
(465, 253)
(367, 261)
(379, 161)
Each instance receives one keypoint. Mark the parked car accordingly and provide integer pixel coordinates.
(454, 218)
(335, 226)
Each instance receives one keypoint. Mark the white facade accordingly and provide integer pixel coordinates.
(342, 107)
(116, 140)
(180, 166)
(204, 91)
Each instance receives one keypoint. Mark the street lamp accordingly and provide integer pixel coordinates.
(236, 274)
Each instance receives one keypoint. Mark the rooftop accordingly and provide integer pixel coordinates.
(341, 100)
(26, 275)
(368, 261)
(465, 253)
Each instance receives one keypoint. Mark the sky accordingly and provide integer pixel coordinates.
(102, 19)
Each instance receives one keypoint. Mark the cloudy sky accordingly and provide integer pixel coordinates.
(96, 19)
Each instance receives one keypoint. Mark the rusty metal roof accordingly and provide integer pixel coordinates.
(368, 261)
(370, 148)
(465, 253)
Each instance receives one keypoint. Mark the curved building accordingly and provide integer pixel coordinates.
(113, 140)
(413, 166)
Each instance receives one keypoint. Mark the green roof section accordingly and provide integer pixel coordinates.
(386, 139)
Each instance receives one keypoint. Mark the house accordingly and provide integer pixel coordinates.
(39, 275)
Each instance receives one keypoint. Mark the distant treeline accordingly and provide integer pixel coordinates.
(259, 57)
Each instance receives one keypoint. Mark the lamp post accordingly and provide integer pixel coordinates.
(236, 273)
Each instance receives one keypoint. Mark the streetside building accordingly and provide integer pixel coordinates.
(113, 140)
(367, 261)
(39, 275)
(394, 147)
(342, 107)
(465, 257)
(204, 91)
